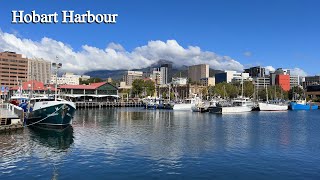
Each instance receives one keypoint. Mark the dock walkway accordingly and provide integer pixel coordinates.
(11, 117)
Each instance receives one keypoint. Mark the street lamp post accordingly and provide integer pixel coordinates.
(56, 67)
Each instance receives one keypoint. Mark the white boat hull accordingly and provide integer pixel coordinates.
(183, 107)
(227, 110)
(272, 107)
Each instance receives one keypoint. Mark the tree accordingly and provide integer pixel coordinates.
(140, 86)
(150, 87)
(89, 81)
(137, 87)
(248, 89)
(296, 93)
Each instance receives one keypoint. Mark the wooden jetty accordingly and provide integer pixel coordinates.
(11, 117)
(107, 104)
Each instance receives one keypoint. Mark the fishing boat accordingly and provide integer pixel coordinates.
(238, 105)
(200, 107)
(187, 104)
(50, 112)
(302, 105)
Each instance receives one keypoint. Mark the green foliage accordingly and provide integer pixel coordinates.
(274, 92)
(172, 95)
(89, 81)
(150, 87)
(164, 95)
(296, 92)
(248, 89)
(140, 87)
(225, 90)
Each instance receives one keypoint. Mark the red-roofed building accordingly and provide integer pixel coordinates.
(102, 91)
(36, 86)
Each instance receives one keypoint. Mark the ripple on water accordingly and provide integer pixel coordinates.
(135, 143)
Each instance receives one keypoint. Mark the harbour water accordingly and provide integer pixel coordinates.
(123, 143)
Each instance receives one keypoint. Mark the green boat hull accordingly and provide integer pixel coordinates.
(56, 116)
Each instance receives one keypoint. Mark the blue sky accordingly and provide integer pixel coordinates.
(272, 33)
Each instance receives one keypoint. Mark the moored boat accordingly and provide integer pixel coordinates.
(239, 105)
(50, 112)
(302, 105)
(267, 106)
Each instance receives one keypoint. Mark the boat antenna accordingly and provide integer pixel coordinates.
(56, 67)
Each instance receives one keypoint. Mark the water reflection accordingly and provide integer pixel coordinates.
(126, 142)
(55, 139)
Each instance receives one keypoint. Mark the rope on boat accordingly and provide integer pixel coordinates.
(43, 118)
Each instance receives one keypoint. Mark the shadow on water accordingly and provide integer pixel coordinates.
(56, 139)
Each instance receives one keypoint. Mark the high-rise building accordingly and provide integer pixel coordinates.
(166, 73)
(226, 76)
(39, 70)
(294, 81)
(130, 76)
(283, 80)
(13, 68)
(197, 72)
(257, 71)
(67, 78)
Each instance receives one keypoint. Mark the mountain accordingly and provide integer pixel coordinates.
(118, 74)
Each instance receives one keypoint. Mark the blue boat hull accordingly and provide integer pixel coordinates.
(295, 106)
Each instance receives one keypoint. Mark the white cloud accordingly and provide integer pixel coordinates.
(115, 56)
(298, 71)
(294, 71)
(269, 68)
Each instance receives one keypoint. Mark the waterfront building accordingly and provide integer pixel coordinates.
(94, 92)
(294, 81)
(197, 72)
(311, 80)
(313, 91)
(66, 78)
(154, 75)
(226, 76)
(283, 80)
(272, 76)
(34, 85)
(130, 76)
(179, 81)
(182, 91)
(257, 71)
(13, 68)
(261, 82)
(39, 70)
(209, 81)
(239, 77)
(165, 74)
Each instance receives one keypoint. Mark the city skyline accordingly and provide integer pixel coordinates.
(227, 35)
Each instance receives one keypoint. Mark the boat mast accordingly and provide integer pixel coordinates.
(264, 79)
(56, 66)
(241, 86)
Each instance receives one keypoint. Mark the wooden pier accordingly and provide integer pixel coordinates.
(107, 104)
(11, 117)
